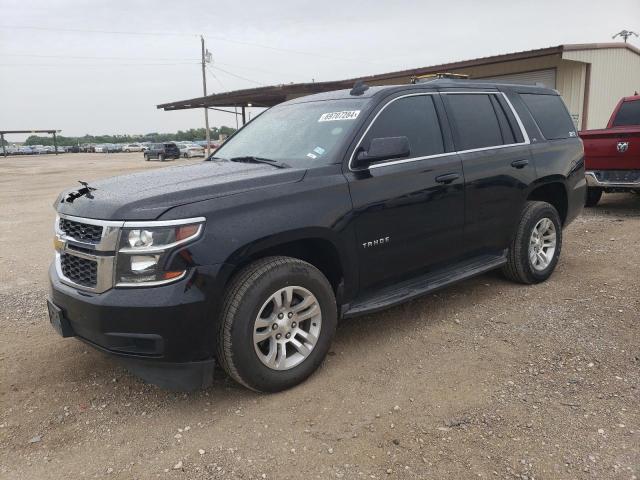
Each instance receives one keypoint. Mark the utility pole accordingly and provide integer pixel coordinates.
(206, 58)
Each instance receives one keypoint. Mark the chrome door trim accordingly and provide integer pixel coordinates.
(525, 136)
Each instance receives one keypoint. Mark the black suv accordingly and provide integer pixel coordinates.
(321, 208)
(162, 151)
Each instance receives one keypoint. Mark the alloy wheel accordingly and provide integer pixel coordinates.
(287, 328)
(542, 244)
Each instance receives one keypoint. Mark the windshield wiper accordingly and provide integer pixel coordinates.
(268, 161)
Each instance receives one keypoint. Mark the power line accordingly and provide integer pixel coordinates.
(184, 34)
(80, 57)
(101, 65)
(239, 76)
(107, 32)
(211, 72)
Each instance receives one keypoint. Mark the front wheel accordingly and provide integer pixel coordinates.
(535, 249)
(278, 320)
(593, 197)
(146, 158)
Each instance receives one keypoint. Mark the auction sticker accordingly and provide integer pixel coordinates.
(344, 115)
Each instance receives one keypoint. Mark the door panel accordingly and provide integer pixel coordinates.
(496, 188)
(497, 166)
(405, 220)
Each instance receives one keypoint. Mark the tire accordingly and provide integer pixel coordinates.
(520, 266)
(146, 157)
(185, 155)
(248, 297)
(593, 197)
(160, 157)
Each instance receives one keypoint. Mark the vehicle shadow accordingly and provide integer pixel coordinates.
(621, 204)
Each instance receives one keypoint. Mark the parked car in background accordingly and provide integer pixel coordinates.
(25, 150)
(212, 144)
(100, 148)
(378, 195)
(132, 147)
(60, 149)
(189, 150)
(612, 154)
(39, 149)
(162, 151)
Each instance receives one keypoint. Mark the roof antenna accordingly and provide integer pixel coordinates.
(359, 88)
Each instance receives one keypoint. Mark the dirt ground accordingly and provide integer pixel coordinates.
(486, 379)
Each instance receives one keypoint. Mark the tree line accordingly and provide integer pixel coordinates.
(180, 136)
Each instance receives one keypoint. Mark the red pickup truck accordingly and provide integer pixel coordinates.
(612, 154)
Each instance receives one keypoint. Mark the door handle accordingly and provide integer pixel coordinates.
(520, 163)
(447, 177)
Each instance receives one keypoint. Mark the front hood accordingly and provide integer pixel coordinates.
(146, 195)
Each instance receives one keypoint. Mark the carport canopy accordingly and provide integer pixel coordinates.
(8, 132)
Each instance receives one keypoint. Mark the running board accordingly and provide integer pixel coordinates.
(416, 287)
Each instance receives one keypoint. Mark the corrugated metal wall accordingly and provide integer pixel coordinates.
(570, 83)
(615, 73)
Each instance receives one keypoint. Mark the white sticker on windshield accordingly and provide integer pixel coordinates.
(344, 115)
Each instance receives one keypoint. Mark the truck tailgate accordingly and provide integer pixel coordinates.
(612, 149)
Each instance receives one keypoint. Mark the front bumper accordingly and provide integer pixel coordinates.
(620, 179)
(169, 327)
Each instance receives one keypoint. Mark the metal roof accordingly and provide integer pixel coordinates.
(273, 95)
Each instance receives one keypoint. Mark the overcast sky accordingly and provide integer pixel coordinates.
(55, 73)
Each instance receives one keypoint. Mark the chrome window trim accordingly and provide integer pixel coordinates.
(525, 136)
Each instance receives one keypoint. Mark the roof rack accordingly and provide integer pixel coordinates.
(436, 76)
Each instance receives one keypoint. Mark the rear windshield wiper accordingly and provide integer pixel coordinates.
(268, 161)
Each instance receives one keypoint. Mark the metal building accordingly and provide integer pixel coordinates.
(590, 77)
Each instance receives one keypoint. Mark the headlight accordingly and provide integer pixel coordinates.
(145, 247)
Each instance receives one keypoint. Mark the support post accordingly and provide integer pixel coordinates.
(204, 91)
(244, 116)
(4, 149)
(55, 143)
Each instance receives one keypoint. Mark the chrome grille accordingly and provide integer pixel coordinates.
(79, 270)
(83, 232)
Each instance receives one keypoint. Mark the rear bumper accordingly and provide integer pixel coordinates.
(621, 179)
(163, 333)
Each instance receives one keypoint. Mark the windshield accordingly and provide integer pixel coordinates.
(301, 135)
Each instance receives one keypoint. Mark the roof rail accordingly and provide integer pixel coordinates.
(436, 76)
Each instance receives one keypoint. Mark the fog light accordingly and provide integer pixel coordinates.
(141, 263)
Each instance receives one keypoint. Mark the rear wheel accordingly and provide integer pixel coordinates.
(278, 320)
(593, 197)
(535, 249)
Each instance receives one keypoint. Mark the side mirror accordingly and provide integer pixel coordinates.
(384, 148)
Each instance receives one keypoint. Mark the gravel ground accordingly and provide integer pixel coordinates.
(486, 379)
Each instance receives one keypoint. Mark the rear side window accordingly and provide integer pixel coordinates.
(413, 117)
(629, 114)
(475, 121)
(551, 115)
